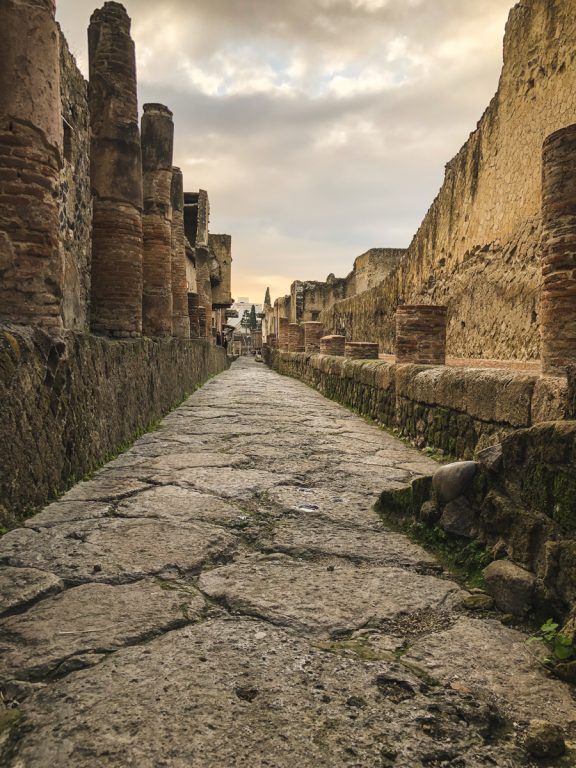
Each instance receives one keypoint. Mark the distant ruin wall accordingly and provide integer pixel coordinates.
(477, 250)
(456, 409)
(70, 402)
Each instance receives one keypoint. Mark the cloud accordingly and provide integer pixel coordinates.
(320, 127)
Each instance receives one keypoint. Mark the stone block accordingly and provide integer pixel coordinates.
(511, 587)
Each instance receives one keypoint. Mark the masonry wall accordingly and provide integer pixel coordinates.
(477, 249)
(70, 402)
(75, 195)
(456, 410)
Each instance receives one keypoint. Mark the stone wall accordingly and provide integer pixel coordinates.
(455, 410)
(70, 402)
(518, 503)
(75, 195)
(477, 250)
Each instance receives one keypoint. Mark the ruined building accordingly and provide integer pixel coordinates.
(96, 234)
(478, 250)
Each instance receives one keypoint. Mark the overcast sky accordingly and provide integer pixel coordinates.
(320, 128)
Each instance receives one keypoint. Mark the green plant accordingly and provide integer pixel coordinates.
(561, 646)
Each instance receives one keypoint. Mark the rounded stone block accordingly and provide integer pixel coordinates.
(31, 261)
(295, 338)
(558, 307)
(421, 334)
(313, 333)
(333, 345)
(361, 350)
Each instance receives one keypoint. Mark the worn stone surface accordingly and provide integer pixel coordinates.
(316, 636)
(91, 619)
(545, 740)
(21, 586)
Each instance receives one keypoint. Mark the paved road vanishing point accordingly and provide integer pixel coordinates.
(223, 595)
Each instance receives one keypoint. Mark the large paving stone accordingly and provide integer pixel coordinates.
(230, 483)
(241, 693)
(496, 662)
(345, 507)
(314, 536)
(117, 551)
(102, 489)
(182, 505)
(74, 628)
(320, 599)
(21, 586)
(70, 512)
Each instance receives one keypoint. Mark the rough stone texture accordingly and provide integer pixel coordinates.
(221, 248)
(421, 334)
(459, 518)
(21, 586)
(71, 401)
(479, 244)
(545, 740)
(31, 259)
(283, 333)
(456, 409)
(373, 662)
(511, 587)
(157, 152)
(115, 175)
(181, 320)
(75, 195)
(91, 619)
(559, 251)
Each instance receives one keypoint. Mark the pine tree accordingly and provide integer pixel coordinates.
(267, 301)
(253, 319)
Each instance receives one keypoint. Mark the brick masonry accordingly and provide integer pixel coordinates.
(421, 334)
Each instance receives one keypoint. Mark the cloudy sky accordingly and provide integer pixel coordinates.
(320, 128)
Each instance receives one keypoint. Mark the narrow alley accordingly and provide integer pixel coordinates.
(223, 594)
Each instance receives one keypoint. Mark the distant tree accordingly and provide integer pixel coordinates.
(253, 319)
(245, 322)
(267, 300)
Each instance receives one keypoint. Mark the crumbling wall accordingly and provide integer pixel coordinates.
(75, 196)
(371, 267)
(478, 248)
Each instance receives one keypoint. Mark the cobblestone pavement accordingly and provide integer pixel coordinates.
(223, 595)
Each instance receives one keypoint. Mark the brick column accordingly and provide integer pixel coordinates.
(193, 315)
(157, 150)
(558, 313)
(202, 314)
(271, 341)
(421, 334)
(361, 350)
(204, 291)
(116, 175)
(31, 261)
(332, 345)
(180, 316)
(313, 332)
(283, 324)
(295, 338)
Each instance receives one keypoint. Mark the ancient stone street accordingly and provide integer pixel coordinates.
(224, 595)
